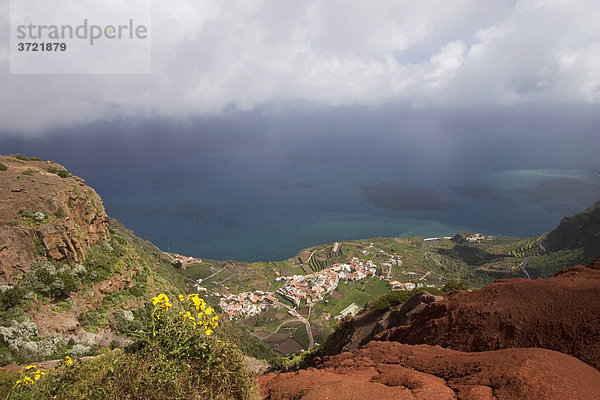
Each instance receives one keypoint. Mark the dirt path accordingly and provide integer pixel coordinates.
(277, 330)
(311, 340)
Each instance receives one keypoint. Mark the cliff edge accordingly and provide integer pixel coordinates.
(45, 213)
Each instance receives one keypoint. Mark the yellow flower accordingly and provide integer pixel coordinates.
(27, 368)
(181, 298)
(209, 332)
(68, 361)
(208, 311)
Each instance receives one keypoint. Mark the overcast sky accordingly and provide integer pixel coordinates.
(211, 57)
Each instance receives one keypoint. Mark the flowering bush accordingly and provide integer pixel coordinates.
(181, 330)
(176, 356)
(29, 376)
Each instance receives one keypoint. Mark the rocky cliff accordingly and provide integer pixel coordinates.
(45, 213)
(513, 339)
(559, 313)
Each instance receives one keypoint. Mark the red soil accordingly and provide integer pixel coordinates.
(390, 370)
(561, 313)
(503, 338)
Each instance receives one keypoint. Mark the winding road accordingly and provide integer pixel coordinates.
(311, 340)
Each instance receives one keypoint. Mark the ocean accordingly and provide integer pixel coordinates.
(261, 189)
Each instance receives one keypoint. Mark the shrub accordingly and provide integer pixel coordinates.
(25, 345)
(29, 172)
(52, 170)
(11, 297)
(174, 357)
(455, 285)
(63, 173)
(20, 157)
(3, 167)
(52, 280)
(33, 217)
(396, 297)
(60, 213)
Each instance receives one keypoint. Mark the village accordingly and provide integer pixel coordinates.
(314, 286)
(247, 304)
(185, 260)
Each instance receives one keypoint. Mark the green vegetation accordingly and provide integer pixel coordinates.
(175, 356)
(32, 218)
(63, 173)
(52, 170)
(124, 258)
(53, 280)
(198, 271)
(316, 265)
(396, 297)
(301, 336)
(580, 232)
(3, 167)
(470, 255)
(456, 285)
(60, 213)
(20, 157)
(525, 248)
(29, 171)
(547, 265)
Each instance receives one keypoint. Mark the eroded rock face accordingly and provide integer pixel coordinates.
(559, 313)
(390, 370)
(73, 217)
(364, 327)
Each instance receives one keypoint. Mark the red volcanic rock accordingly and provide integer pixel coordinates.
(73, 217)
(561, 313)
(390, 370)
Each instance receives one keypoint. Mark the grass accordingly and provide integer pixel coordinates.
(198, 271)
(301, 336)
(124, 375)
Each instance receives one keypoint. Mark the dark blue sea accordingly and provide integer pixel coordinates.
(254, 187)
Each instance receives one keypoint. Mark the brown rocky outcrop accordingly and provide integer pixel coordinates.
(390, 370)
(500, 344)
(74, 216)
(363, 328)
(560, 313)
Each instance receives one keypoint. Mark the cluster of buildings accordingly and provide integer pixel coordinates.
(314, 286)
(247, 304)
(310, 287)
(403, 285)
(185, 260)
(477, 237)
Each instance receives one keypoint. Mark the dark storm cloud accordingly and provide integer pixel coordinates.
(210, 57)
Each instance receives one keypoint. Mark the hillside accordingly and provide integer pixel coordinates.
(74, 280)
(395, 352)
(399, 263)
(580, 231)
(45, 213)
